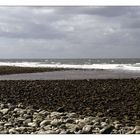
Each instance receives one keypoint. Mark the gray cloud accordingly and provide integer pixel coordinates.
(94, 31)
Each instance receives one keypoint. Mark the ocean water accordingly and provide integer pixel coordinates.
(117, 64)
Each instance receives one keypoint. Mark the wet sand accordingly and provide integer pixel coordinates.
(73, 75)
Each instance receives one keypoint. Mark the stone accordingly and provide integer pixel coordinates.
(117, 126)
(32, 124)
(100, 114)
(4, 111)
(20, 119)
(81, 123)
(2, 106)
(103, 124)
(107, 130)
(48, 127)
(2, 123)
(27, 116)
(131, 132)
(51, 132)
(116, 122)
(56, 115)
(16, 110)
(21, 128)
(45, 122)
(60, 109)
(87, 129)
(20, 105)
(13, 131)
(63, 126)
(69, 132)
(88, 120)
(69, 120)
(44, 113)
(9, 124)
(4, 132)
(69, 126)
(1, 128)
(63, 132)
(71, 115)
(26, 122)
(136, 130)
(72, 127)
(56, 122)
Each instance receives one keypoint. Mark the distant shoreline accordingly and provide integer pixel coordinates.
(27, 73)
(4, 70)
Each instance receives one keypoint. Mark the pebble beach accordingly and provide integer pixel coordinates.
(105, 106)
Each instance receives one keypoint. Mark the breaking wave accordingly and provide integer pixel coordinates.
(134, 67)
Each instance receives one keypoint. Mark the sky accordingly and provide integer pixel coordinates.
(70, 32)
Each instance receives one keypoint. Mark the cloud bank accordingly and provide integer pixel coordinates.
(69, 32)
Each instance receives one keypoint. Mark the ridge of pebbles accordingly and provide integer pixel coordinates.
(18, 119)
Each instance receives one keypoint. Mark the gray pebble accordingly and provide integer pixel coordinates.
(69, 120)
(4, 111)
(103, 124)
(32, 124)
(87, 129)
(9, 124)
(13, 131)
(45, 122)
(56, 122)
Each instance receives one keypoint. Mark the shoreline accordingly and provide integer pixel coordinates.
(71, 74)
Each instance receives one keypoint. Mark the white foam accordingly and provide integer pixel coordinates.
(132, 67)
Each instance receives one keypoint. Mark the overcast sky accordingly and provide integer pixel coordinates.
(69, 32)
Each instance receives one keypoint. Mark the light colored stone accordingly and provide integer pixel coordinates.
(56, 122)
(2, 123)
(20, 105)
(17, 110)
(116, 122)
(1, 127)
(32, 124)
(51, 132)
(56, 115)
(48, 127)
(20, 119)
(4, 111)
(103, 124)
(88, 120)
(71, 115)
(136, 130)
(27, 121)
(43, 112)
(4, 132)
(21, 128)
(2, 106)
(87, 129)
(9, 124)
(63, 132)
(81, 123)
(72, 127)
(45, 122)
(117, 126)
(13, 131)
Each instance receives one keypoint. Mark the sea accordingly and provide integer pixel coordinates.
(130, 64)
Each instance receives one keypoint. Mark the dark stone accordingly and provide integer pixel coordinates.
(107, 130)
(61, 109)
